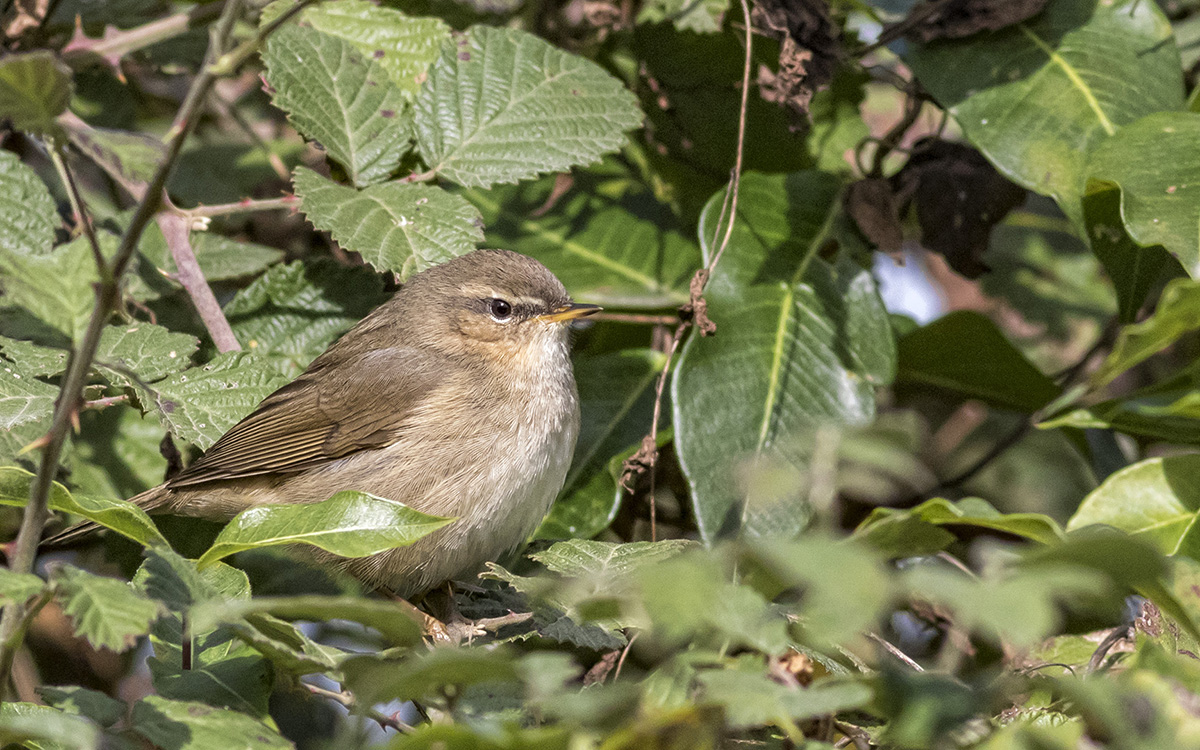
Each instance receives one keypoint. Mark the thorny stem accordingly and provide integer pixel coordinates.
(115, 46)
(646, 459)
(175, 229)
(240, 207)
(347, 699)
(107, 296)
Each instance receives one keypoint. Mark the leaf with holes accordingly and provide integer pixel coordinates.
(1036, 97)
(350, 524)
(200, 404)
(341, 98)
(501, 105)
(395, 226)
(799, 342)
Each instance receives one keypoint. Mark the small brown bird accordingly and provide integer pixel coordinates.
(456, 398)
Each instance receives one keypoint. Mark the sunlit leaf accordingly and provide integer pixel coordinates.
(185, 725)
(108, 612)
(27, 212)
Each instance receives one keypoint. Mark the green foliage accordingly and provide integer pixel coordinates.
(969, 530)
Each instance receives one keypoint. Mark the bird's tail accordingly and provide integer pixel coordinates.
(150, 501)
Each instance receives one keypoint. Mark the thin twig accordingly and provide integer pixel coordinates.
(175, 229)
(887, 646)
(229, 62)
(345, 698)
(624, 653)
(117, 44)
(636, 318)
(81, 216)
(244, 206)
(102, 403)
(108, 294)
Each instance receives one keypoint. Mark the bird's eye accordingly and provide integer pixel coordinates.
(500, 309)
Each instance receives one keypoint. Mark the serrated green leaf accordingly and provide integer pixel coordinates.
(349, 524)
(376, 679)
(125, 518)
(391, 621)
(501, 105)
(1037, 96)
(403, 45)
(751, 698)
(148, 351)
(45, 728)
(584, 557)
(39, 361)
(294, 311)
(74, 699)
(187, 725)
(398, 227)
(800, 343)
(1156, 500)
(201, 404)
(341, 98)
(23, 398)
(616, 392)
(1159, 179)
(28, 216)
(608, 239)
(108, 612)
(964, 352)
(18, 587)
(133, 156)
(35, 88)
(55, 289)
(1177, 313)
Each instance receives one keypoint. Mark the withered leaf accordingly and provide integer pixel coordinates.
(873, 206)
(808, 53)
(956, 20)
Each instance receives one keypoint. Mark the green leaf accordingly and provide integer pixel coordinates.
(900, 531)
(185, 725)
(750, 698)
(220, 258)
(403, 45)
(1135, 271)
(616, 392)
(1156, 500)
(23, 398)
(341, 98)
(148, 351)
(1177, 313)
(700, 16)
(607, 238)
(116, 453)
(18, 587)
(74, 699)
(800, 342)
(395, 226)
(45, 728)
(125, 518)
(108, 612)
(1159, 178)
(286, 646)
(200, 404)
(55, 288)
(133, 156)
(294, 311)
(502, 105)
(390, 620)
(964, 352)
(39, 361)
(349, 524)
(1168, 411)
(607, 560)
(1038, 96)
(28, 216)
(374, 679)
(35, 88)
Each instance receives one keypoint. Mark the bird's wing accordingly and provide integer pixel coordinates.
(334, 409)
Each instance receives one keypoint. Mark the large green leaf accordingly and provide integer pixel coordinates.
(28, 216)
(350, 524)
(23, 398)
(502, 105)
(607, 238)
(187, 725)
(616, 395)
(964, 352)
(392, 622)
(293, 311)
(403, 45)
(799, 342)
(200, 404)
(341, 98)
(395, 226)
(125, 518)
(35, 88)
(147, 351)
(1177, 313)
(907, 532)
(1158, 173)
(1036, 97)
(1157, 500)
(44, 728)
(108, 612)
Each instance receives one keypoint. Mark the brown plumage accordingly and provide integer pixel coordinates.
(456, 397)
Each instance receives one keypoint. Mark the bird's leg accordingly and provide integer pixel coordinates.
(431, 627)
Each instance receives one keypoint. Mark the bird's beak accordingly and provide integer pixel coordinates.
(570, 312)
